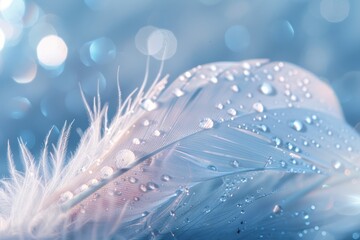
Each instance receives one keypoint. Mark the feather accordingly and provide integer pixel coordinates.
(246, 150)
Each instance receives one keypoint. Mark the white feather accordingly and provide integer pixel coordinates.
(229, 150)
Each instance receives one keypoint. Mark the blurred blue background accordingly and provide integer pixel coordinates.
(48, 47)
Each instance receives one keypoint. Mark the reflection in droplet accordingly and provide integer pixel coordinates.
(102, 50)
(51, 51)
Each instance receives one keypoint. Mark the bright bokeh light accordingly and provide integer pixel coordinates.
(51, 51)
(2, 39)
(4, 4)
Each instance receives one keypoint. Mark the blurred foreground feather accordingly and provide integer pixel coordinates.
(229, 150)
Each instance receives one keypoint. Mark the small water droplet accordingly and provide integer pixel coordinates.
(133, 180)
(235, 163)
(172, 213)
(136, 141)
(219, 106)
(336, 165)
(263, 127)
(178, 92)
(93, 182)
(106, 172)
(214, 80)
(165, 178)
(235, 88)
(144, 214)
(277, 209)
(66, 196)
(146, 123)
(152, 186)
(149, 105)
(212, 168)
(143, 188)
(277, 141)
(223, 199)
(124, 157)
(297, 126)
(83, 187)
(259, 107)
(206, 123)
(232, 112)
(207, 209)
(156, 133)
(267, 89)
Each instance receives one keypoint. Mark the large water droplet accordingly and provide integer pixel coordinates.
(206, 123)
(106, 172)
(267, 89)
(124, 157)
(297, 126)
(258, 107)
(149, 105)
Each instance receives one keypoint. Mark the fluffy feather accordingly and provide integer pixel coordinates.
(236, 150)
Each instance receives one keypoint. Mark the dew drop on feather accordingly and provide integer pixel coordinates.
(124, 157)
(149, 105)
(206, 123)
(106, 172)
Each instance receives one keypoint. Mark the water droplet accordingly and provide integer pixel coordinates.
(267, 89)
(297, 126)
(235, 88)
(206, 123)
(235, 163)
(178, 92)
(263, 128)
(156, 133)
(144, 214)
(83, 187)
(93, 182)
(212, 168)
(276, 141)
(136, 141)
(172, 213)
(106, 172)
(165, 178)
(258, 107)
(66, 196)
(133, 180)
(143, 188)
(152, 186)
(277, 209)
(136, 199)
(219, 106)
(232, 112)
(149, 105)
(214, 80)
(124, 157)
(223, 199)
(336, 165)
(146, 123)
(207, 209)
